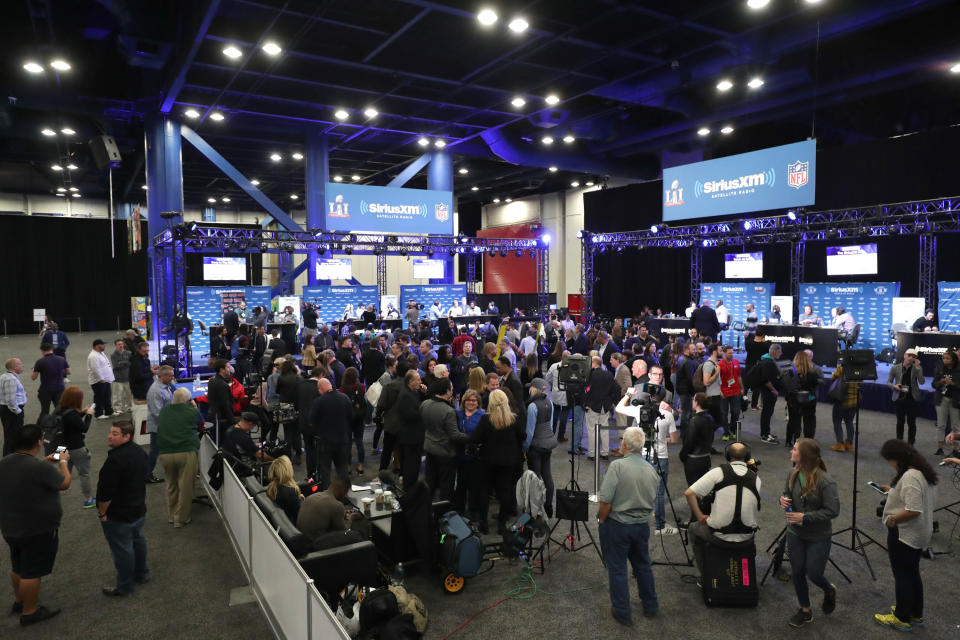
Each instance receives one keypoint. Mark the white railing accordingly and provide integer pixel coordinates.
(293, 607)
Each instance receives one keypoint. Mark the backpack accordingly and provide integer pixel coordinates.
(52, 425)
(698, 379)
(359, 405)
(789, 382)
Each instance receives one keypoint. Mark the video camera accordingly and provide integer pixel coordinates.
(574, 369)
(647, 402)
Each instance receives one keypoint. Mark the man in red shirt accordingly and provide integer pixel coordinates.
(731, 388)
(460, 339)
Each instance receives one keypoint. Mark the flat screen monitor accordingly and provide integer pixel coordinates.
(334, 268)
(743, 265)
(426, 269)
(852, 260)
(222, 269)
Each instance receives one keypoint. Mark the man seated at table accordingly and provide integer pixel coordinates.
(926, 322)
(324, 512)
(808, 318)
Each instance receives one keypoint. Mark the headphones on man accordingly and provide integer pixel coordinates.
(726, 451)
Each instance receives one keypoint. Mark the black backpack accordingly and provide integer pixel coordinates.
(52, 425)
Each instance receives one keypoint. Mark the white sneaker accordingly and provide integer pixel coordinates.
(668, 531)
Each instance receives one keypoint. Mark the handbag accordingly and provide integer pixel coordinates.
(837, 391)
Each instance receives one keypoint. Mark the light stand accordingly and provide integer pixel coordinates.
(781, 553)
(648, 449)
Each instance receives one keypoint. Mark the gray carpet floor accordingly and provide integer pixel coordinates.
(194, 568)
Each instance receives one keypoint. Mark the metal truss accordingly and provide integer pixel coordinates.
(696, 273)
(169, 267)
(798, 251)
(543, 284)
(586, 275)
(928, 267)
(381, 272)
(471, 276)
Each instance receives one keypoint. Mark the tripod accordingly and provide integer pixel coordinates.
(648, 449)
(781, 543)
(857, 544)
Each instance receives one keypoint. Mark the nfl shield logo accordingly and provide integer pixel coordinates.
(442, 212)
(798, 174)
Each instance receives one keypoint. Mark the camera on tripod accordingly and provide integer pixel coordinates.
(648, 412)
(251, 383)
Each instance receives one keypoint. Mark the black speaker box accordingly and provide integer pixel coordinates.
(105, 152)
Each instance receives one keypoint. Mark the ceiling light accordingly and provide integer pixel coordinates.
(60, 64)
(48, 132)
(423, 142)
(496, 201)
(588, 183)
(727, 129)
(144, 187)
(294, 196)
(757, 4)
(518, 25)
(62, 189)
(271, 48)
(551, 99)
(224, 199)
(75, 195)
(255, 182)
(33, 67)
(509, 200)
(71, 167)
(703, 131)
(439, 144)
(56, 167)
(474, 188)
(73, 189)
(487, 17)
(232, 52)
(217, 116)
(370, 112)
(955, 68)
(755, 83)
(518, 102)
(338, 178)
(574, 184)
(60, 195)
(297, 156)
(211, 200)
(553, 169)
(193, 114)
(724, 85)
(341, 114)
(813, 1)
(547, 140)
(355, 177)
(568, 139)
(464, 171)
(67, 131)
(276, 157)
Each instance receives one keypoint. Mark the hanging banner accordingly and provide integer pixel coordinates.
(360, 207)
(870, 304)
(735, 298)
(334, 302)
(948, 314)
(135, 231)
(138, 315)
(774, 178)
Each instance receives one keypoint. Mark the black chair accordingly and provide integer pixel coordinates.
(203, 327)
(850, 338)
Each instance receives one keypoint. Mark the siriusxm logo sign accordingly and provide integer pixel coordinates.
(734, 289)
(735, 186)
(950, 290)
(342, 290)
(844, 289)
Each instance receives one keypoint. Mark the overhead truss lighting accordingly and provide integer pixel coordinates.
(232, 52)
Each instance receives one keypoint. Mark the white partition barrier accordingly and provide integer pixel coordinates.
(292, 605)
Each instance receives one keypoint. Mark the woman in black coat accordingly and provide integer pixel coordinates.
(499, 438)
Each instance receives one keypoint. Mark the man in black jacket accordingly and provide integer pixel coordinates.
(372, 363)
(122, 507)
(330, 421)
(704, 320)
(219, 399)
(410, 432)
(602, 394)
(141, 373)
(307, 392)
(259, 345)
(231, 322)
(386, 412)
(345, 352)
(277, 344)
(509, 380)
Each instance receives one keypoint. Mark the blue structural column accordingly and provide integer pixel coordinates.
(209, 214)
(164, 193)
(317, 168)
(440, 178)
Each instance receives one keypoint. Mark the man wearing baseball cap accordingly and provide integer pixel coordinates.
(100, 377)
(905, 379)
(238, 443)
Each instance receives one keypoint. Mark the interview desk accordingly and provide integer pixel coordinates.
(793, 338)
(930, 344)
(663, 328)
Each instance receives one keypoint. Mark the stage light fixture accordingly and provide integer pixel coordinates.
(706, 243)
(452, 251)
(338, 178)
(831, 234)
(747, 225)
(757, 4)
(755, 83)
(297, 156)
(724, 85)
(439, 144)
(341, 114)
(568, 139)
(487, 17)
(518, 102)
(48, 132)
(423, 142)
(192, 227)
(547, 140)
(321, 251)
(955, 68)
(276, 157)
(255, 182)
(33, 67)
(812, 1)
(403, 251)
(588, 183)
(348, 251)
(552, 169)
(193, 114)
(67, 131)
(232, 52)
(71, 167)
(216, 116)
(726, 130)
(574, 184)
(545, 239)
(56, 167)
(60, 64)
(60, 195)
(552, 99)
(503, 253)
(581, 233)
(355, 178)
(791, 215)
(703, 131)
(271, 48)
(370, 112)
(519, 253)
(654, 228)
(463, 171)
(518, 25)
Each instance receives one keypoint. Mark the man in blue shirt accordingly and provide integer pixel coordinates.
(159, 395)
(51, 369)
(57, 339)
(13, 397)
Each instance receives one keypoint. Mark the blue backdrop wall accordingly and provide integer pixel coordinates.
(869, 302)
(207, 303)
(735, 298)
(331, 300)
(425, 294)
(948, 293)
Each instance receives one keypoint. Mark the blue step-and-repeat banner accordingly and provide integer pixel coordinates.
(360, 207)
(870, 303)
(331, 301)
(948, 315)
(425, 294)
(735, 298)
(208, 303)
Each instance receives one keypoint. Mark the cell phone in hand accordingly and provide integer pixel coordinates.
(56, 455)
(873, 485)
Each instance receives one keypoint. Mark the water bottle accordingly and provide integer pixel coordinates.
(398, 578)
(196, 382)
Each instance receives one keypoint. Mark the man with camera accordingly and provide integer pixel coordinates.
(734, 512)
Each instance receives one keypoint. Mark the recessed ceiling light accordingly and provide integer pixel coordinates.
(60, 195)
(727, 129)
(757, 4)
(271, 48)
(33, 67)
(73, 189)
(338, 178)
(355, 177)
(75, 195)
(547, 140)
(423, 142)
(224, 199)
(568, 139)
(553, 169)
(48, 132)
(297, 156)
(276, 157)
(341, 114)
(487, 17)
(588, 183)
(60, 64)
(232, 52)
(813, 1)
(211, 200)
(724, 85)
(509, 200)
(755, 83)
(703, 131)
(496, 201)
(439, 144)
(61, 189)
(217, 116)
(255, 182)
(474, 188)
(955, 68)
(552, 99)
(574, 184)
(518, 25)
(370, 112)
(56, 167)
(67, 131)
(518, 102)
(144, 187)
(294, 196)
(464, 171)
(193, 114)
(71, 167)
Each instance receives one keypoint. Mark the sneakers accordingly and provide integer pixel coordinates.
(154, 480)
(769, 439)
(113, 592)
(626, 623)
(848, 445)
(914, 622)
(801, 618)
(939, 451)
(840, 446)
(889, 620)
(89, 504)
(666, 531)
(41, 614)
(830, 600)
(727, 437)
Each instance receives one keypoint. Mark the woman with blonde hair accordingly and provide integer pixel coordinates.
(478, 380)
(309, 360)
(499, 436)
(811, 502)
(282, 489)
(802, 403)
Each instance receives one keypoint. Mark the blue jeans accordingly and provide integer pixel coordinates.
(129, 550)
(579, 436)
(622, 542)
(808, 560)
(153, 455)
(661, 505)
(685, 403)
(846, 416)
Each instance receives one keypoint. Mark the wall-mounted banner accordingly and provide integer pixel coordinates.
(427, 293)
(332, 301)
(948, 314)
(208, 303)
(774, 178)
(870, 303)
(735, 298)
(360, 207)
